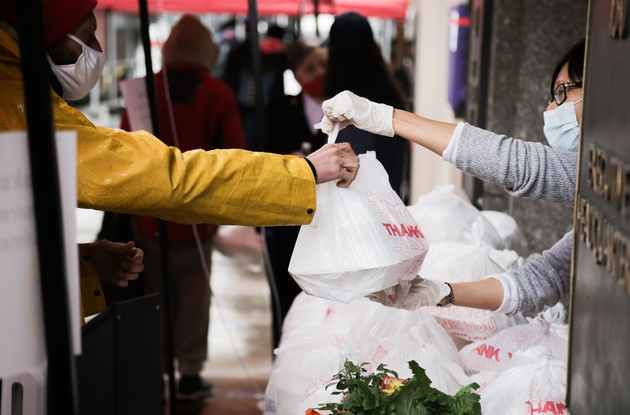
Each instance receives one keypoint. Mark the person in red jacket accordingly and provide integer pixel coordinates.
(203, 114)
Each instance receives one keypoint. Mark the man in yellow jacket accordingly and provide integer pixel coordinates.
(137, 173)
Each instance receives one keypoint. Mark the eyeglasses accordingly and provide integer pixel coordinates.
(560, 93)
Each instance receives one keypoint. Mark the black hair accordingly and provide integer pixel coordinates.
(355, 63)
(575, 57)
(297, 53)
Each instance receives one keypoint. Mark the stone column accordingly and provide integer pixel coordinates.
(528, 38)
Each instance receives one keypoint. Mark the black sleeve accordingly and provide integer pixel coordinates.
(312, 168)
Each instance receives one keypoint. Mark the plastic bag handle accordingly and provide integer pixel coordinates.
(332, 136)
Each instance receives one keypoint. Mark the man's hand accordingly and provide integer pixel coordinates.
(423, 293)
(116, 263)
(348, 108)
(335, 162)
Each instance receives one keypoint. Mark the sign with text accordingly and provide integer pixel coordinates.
(599, 361)
(135, 93)
(22, 344)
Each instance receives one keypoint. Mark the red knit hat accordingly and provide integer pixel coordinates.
(60, 16)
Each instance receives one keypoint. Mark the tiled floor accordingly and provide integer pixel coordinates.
(240, 311)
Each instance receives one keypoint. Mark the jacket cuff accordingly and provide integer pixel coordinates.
(92, 297)
(312, 168)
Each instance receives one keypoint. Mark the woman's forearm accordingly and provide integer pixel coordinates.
(433, 135)
(485, 294)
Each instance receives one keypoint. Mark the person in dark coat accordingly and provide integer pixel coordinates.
(239, 75)
(355, 63)
(290, 130)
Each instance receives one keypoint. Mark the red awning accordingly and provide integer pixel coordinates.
(390, 9)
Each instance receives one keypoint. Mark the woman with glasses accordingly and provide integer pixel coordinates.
(524, 169)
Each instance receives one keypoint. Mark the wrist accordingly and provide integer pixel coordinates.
(449, 300)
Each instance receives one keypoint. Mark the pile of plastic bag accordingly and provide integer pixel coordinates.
(319, 335)
(534, 382)
(518, 368)
(519, 363)
(493, 354)
(465, 245)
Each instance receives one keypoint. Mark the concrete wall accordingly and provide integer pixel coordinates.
(428, 169)
(528, 38)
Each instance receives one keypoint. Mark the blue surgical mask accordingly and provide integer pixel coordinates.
(561, 127)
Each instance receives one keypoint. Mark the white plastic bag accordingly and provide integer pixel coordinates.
(444, 216)
(483, 379)
(314, 346)
(300, 381)
(379, 322)
(314, 323)
(494, 353)
(557, 336)
(467, 260)
(396, 351)
(472, 324)
(362, 239)
(463, 261)
(308, 311)
(533, 383)
(510, 234)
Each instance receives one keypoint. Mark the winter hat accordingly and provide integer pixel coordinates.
(351, 33)
(60, 16)
(190, 42)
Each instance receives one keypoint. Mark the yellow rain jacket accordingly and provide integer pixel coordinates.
(136, 173)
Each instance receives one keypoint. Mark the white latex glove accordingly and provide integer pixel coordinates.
(348, 108)
(423, 293)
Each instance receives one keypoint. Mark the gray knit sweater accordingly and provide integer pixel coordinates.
(534, 171)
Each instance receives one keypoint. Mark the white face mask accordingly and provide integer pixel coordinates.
(79, 78)
(561, 127)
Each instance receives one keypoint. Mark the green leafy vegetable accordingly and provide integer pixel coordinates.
(363, 394)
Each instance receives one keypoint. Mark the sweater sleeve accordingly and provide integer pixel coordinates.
(525, 169)
(545, 280)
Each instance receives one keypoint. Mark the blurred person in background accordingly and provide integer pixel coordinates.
(290, 129)
(355, 64)
(404, 70)
(239, 75)
(225, 40)
(204, 116)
